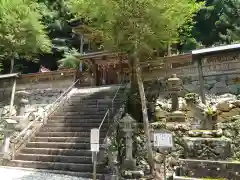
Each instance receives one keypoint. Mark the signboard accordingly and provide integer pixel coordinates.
(94, 140)
(163, 139)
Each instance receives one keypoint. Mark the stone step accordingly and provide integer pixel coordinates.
(69, 145)
(92, 102)
(92, 97)
(59, 152)
(74, 123)
(77, 120)
(80, 113)
(63, 139)
(88, 110)
(80, 117)
(56, 166)
(66, 134)
(69, 129)
(54, 158)
(208, 169)
(89, 106)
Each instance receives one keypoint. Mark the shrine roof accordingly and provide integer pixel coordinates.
(218, 49)
(9, 76)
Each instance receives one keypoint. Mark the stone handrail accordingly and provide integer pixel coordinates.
(34, 126)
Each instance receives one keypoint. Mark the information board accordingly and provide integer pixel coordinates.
(163, 140)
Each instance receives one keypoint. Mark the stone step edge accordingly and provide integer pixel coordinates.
(67, 143)
(37, 137)
(65, 149)
(207, 138)
(175, 177)
(46, 162)
(69, 173)
(50, 155)
(209, 161)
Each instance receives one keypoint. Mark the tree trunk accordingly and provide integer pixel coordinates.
(144, 113)
(12, 65)
(169, 49)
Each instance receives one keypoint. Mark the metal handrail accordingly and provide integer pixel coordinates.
(108, 110)
(113, 99)
(106, 114)
(52, 110)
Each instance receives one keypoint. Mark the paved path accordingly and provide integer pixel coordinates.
(21, 174)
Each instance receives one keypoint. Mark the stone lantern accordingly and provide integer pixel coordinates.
(174, 87)
(7, 127)
(127, 126)
(22, 101)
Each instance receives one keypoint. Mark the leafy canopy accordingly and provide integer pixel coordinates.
(230, 19)
(123, 23)
(70, 59)
(21, 30)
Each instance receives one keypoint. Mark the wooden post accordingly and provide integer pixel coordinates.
(164, 167)
(12, 96)
(201, 80)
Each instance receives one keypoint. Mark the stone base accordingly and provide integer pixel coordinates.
(208, 148)
(132, 174)
(111, 177)
(192, 168)
(176, 116)
(129, 164)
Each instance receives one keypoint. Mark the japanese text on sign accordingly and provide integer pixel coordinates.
(163, 140)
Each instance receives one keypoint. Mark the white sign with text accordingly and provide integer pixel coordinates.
(163, 140)
(95, 140)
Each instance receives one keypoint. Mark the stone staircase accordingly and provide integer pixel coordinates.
(63, 143)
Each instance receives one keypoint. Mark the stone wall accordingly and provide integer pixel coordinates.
(39, 94)
(219, 84)
(221, 74)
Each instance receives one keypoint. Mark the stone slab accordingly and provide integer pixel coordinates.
(208, 148)
(193, 168)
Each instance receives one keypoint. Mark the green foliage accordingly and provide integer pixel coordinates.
(70, 59)
(21, 31)
(55, 16)
(231, 19)
(217, 23)
(124, 23)
(210, 111)
(191, 97)
(1, 67)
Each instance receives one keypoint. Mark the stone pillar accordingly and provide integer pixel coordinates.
(174, 86)
(201, 80)
(12, 96)
(127, 123)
